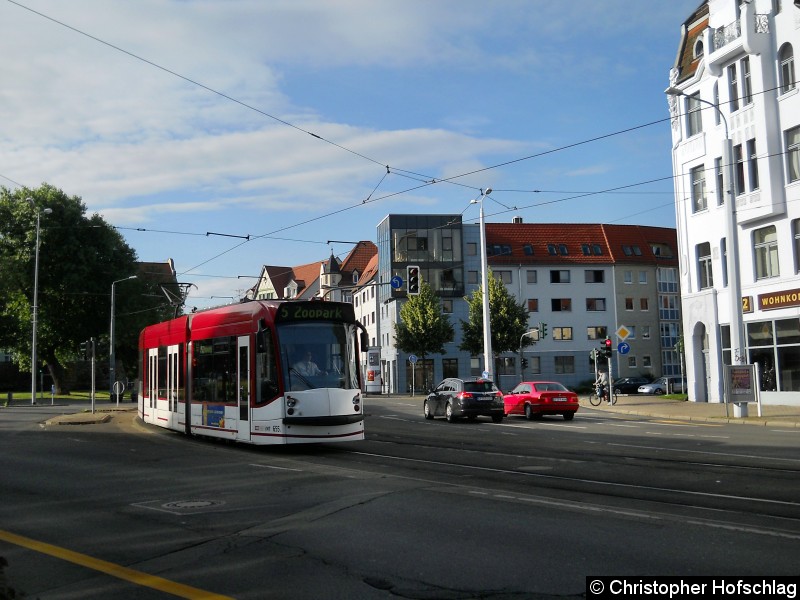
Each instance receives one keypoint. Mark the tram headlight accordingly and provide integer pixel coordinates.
(357, 402)
(291, 401)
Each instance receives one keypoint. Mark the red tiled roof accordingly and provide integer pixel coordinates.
(573, 237)
(370, 270)
(358, 258)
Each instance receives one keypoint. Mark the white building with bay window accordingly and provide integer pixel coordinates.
(735, 76)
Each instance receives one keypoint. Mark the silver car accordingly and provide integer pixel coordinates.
(663, 385)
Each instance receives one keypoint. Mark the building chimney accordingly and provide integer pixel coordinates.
(517, 220)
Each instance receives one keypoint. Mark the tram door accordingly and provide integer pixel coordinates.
(243, 388)
(173, 380)
(152, 376)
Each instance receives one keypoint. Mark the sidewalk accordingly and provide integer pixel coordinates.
(682, 410)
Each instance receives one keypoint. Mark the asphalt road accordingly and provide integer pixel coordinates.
(421, 509)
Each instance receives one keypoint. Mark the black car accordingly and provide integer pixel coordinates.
(471, 397)
(629, 385)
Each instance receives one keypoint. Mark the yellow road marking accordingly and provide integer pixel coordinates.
(687, 423)
(118, 571)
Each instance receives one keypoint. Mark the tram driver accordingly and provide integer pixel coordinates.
(306, 366)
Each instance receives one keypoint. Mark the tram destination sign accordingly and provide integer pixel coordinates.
(315, 311)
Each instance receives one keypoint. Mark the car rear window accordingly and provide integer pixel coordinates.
(478, 386)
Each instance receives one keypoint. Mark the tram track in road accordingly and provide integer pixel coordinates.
(752, 514)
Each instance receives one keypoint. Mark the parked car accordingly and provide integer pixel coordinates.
(663, 385)
(629, 385)
(471, 397)
(537, 398)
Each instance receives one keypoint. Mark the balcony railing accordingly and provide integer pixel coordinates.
(727, 34)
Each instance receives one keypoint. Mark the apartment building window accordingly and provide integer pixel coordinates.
(752, 164)
(796, 244)
(447, 306)
(627, 276)
(698, 178)
(643, 277)
(631, 362)
(472, 277)
(694, 118)
(534, 364)
(562, 334)
(720, 180)
(786, 59)
(527, 249)
(504, 276)
(733, 88)
(506, 365)
(715, 97)
(747, 84)
(565, 364)
(596, 333)
(559, 276)
(628, 303)
(793, 154)
(561, 304)
(594, 276)
(766, 252)
(645, 332)
(595, 304)
(531, 275)
(644, 304)
(449, 367)
(738, 159)
(704, 273)
(533, 305)
(472, 249)
(647, 361)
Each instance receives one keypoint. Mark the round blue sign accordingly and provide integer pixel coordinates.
(412, 358)
(397, 282)
(623, 347)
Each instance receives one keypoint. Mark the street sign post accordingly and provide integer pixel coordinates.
(412, 358)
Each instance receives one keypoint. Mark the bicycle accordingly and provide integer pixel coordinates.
(595, 399)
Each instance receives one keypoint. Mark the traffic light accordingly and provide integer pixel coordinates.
(524, 363)
(412, 275)
(542, 330)
(607, 349)
(87, 349)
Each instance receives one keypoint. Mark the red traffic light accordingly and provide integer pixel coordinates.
(607, 343)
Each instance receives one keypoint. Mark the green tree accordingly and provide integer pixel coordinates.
(79, 258)
(423, 328)
(508, 319)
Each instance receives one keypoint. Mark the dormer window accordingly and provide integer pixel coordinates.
(527, 249)
(698, 48)
(355, 277)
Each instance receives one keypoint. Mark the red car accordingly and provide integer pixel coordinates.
(536, 398)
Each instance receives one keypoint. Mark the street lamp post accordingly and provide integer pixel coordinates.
(534, 331)
(112, 360)
(46, 211)
(487, 325)
(734, 280)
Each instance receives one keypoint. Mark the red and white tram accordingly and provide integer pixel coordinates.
(242, 372)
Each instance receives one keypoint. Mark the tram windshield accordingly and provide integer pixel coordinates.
(318, 354)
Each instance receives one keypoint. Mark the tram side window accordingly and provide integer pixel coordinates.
(162, 372)
(266, 368)
(214, 376)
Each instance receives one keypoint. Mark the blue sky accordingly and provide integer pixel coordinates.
(175, 119)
